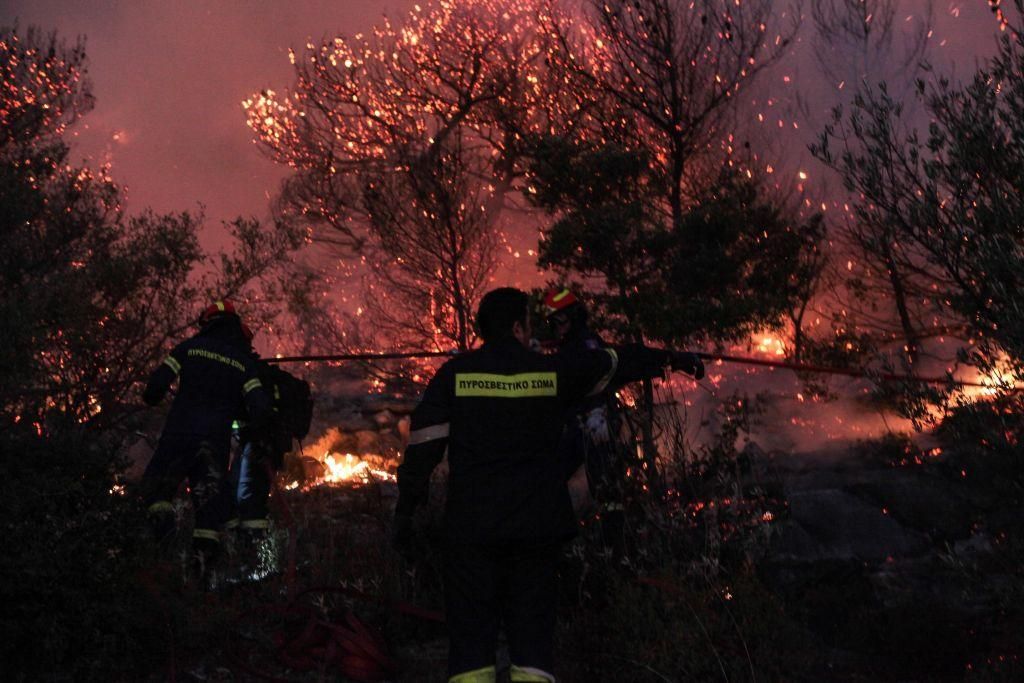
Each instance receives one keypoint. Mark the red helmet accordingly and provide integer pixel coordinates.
(557, 300)
(217, 309)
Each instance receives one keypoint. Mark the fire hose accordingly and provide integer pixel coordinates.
(725, 358)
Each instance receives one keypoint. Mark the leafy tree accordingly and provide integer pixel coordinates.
(879, 302)
(662, 77)
(732, 264)
(950, 200)
(432, 221)
(91, 299)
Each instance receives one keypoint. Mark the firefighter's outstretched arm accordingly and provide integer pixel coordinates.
(637, 362)
(596, 371)
(162, 378)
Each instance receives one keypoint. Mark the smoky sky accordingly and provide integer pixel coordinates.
(169, 77)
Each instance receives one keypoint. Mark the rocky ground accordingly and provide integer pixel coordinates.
(897, 565)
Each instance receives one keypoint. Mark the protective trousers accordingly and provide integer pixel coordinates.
(252, 485)
(513, 585)
(204, 463)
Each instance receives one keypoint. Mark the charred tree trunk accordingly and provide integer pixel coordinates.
(899, 293)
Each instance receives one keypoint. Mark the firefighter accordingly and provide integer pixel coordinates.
(591, 436)
(499, 412)
(217, 378)
(251, 480)
(261, 455)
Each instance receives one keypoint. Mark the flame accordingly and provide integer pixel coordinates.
(996, 381)
(350, 468)
(770, 345)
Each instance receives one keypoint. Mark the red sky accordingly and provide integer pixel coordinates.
(169, 77)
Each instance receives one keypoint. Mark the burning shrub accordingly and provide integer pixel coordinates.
(684, 600)
(722, 504)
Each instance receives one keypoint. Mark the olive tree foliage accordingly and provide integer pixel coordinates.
(876, 300)
(950, 197)
(734, 263)
(663, 77)
(858, 41)
(440, 249)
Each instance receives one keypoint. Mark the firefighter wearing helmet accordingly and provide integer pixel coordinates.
(498, 412)
(591, 437)
(217, 380)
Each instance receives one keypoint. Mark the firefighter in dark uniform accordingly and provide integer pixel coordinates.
(499, 412)
(217, 379)
(592, 433)
(250, 481)
(261, 455)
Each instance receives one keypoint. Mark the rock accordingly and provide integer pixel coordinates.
(138, 455)
(391, 441)
(841, 526)
(395, 404)
(791, 542)
(922, 503)
(978, 544)
(353, 422)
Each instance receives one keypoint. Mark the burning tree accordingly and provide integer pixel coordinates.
(735, 263)
(663, 77)
(882, 288)
(432, 223)
(398, 156)
(656, 208)
(654, 163)
(949, 201)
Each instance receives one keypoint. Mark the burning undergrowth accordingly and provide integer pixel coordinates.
(348, 458)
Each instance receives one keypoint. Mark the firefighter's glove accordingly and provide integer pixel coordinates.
(403, 536)
(690, 363)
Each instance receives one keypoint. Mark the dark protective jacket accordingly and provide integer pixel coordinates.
(594, 421)
(500, 411)
(579, 341)
(218, 380)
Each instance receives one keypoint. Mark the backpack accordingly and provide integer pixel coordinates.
(293, 401)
